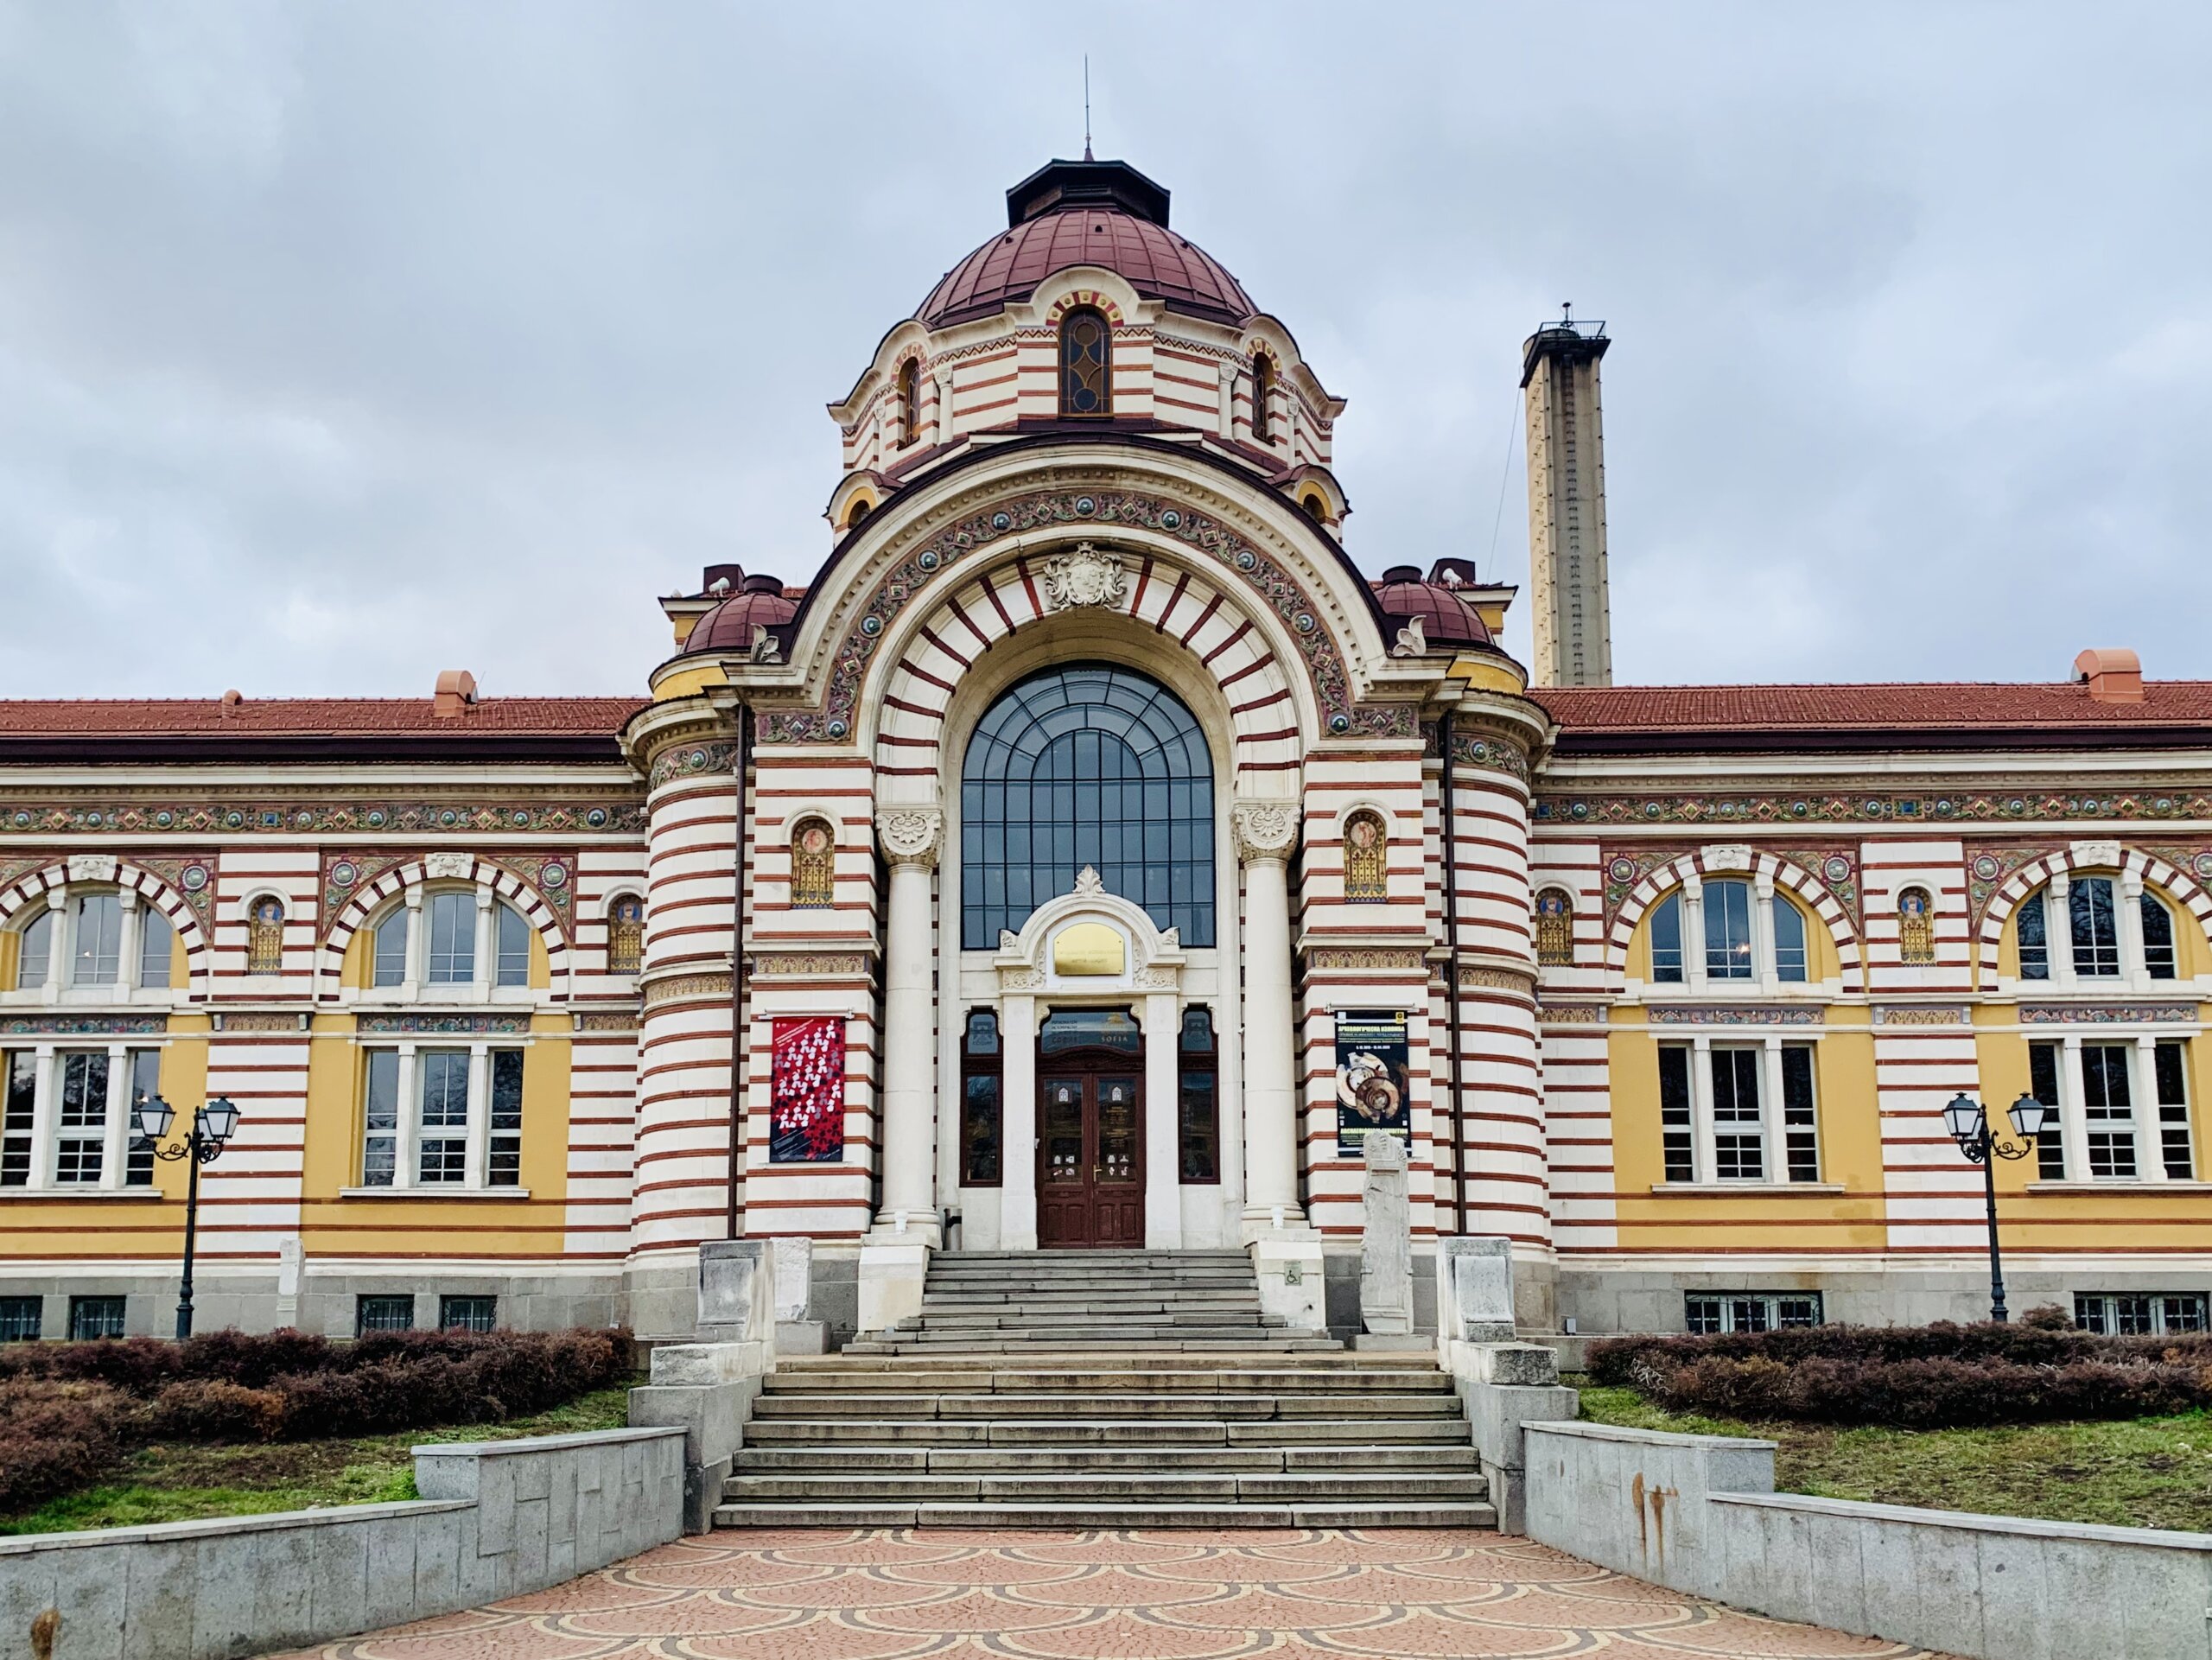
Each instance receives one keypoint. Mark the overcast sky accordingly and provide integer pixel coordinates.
(343, 343)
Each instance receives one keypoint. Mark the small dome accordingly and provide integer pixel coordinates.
(1447, 617)
(758, 603)
(1086, 213)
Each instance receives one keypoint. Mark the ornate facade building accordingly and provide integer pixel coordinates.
(1089, 855)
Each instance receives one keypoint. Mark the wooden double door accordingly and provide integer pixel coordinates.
(1090, 1151)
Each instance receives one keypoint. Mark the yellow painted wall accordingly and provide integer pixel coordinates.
(139, 1222)
(1851, 1153)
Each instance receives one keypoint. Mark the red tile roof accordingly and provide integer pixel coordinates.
(1951, 715)
(358, 729)
(309, 716)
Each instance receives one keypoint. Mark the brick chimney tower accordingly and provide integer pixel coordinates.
(1566, 504)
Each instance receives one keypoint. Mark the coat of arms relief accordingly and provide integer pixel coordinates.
(1086, 576)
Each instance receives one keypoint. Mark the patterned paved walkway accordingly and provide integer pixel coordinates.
(1288, 1594)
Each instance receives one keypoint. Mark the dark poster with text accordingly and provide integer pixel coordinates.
(1374, 1092)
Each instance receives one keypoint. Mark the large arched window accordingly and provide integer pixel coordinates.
(1086, 766)
(1086, 363)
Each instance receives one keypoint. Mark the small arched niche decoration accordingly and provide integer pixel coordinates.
(1263, 397)
(1086, 363)
(1367, 858)
(910, 401)
(1916, 928)
(814, 864)
(625, 935)
(1555, 927)
(264, 936)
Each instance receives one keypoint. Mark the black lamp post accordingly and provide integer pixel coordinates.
(1968, 1122)
(212, 1125)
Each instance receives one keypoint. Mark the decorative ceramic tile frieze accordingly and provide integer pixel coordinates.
(406, 1024)
(1922, 1014)
(1735, 1015)
(83, 1025)
(2107, 1014)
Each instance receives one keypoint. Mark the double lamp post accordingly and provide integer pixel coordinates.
(1968, 1122)
(212, 1125)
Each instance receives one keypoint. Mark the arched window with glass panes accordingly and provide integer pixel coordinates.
(1722, 933)
(434, 941)
(2101, 929)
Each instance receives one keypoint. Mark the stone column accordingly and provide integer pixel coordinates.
(1266, 831)
(1163, 1172)
(1018, 1121)
(911, 839)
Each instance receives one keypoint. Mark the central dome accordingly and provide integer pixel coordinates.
(1086, 212)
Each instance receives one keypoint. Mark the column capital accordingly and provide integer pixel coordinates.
(910, 835)
(1265, 830)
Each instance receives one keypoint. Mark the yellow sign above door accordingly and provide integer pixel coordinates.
(1090, 948)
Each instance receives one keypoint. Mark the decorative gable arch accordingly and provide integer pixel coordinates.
(1718, 863)
(2183, 888)
(79, 868)
(463, 867)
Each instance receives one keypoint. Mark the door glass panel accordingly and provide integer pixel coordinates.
(1064, 1129)
(1117, 1129)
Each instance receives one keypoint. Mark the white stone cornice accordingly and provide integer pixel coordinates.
(910, 835)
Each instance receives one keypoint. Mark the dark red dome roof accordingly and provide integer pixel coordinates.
(1447, 617)
(1087, 213)
(758, 603)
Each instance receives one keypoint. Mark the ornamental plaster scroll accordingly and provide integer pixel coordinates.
(1263, 830)
(91, 866)
(449, 867)
(1922, 1014)
(2088, 855)
(1726, 856)
(910, 836)
(997, 527)
(1087, 577)
(686, 987)
(809, 965)
(1326, 960)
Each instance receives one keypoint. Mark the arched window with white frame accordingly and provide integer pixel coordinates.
(1728, 932)
(2095, 927)
(451, 941)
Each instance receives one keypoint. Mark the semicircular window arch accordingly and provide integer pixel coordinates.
(1086, 764)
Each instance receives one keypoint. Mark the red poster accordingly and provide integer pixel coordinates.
(806, 1091)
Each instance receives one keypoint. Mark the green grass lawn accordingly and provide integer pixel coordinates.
(2147, 1472)
(174, 1482)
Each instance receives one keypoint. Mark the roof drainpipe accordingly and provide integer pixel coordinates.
(1452, 976)
(737, 976)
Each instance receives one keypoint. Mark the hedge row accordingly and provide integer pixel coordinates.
(1914, 1378)
(67, 1411)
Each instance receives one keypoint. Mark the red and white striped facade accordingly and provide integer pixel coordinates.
(1183, 534)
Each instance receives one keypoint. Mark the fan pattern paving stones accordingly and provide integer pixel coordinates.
(1286, 1595)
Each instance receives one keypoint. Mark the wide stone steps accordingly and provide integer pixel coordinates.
(1104, 1389)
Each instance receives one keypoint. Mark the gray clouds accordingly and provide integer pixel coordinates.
(342, 344)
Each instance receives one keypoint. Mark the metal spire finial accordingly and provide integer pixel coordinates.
(1086, 106)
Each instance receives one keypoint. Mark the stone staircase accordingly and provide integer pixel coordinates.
(1117, 1390)
(1034, 1303)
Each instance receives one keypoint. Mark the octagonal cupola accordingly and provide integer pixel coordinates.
(1088, 314)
